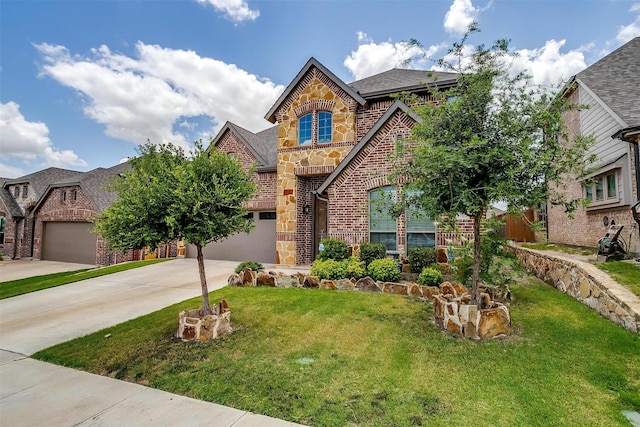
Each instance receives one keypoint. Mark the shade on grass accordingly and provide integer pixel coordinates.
(339, 358)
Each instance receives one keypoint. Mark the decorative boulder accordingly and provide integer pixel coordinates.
(367, 284)
(285, 281)
(327, 284)
(344, 285)
(248, 278)
(235, 280)
(310, 282)
(265, 279)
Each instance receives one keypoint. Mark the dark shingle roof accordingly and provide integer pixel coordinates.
(94, 181)
(398, 80)
(263, 145)
(8, 200)
(39, 181)
(615, 79)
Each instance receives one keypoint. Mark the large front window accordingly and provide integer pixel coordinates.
(602, 188)
(421, 230)
(382, 224)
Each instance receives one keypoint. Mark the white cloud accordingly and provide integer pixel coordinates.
(235, 10)
(151, 95)
(627, 32)
(461, 13)
(371, 58)
(8, 171)
(30, 141)
(547, 65)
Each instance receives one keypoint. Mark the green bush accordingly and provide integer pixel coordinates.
(385, 270)
(371, 251)
(422, 257)
(430, 277)
(334, 270)
(334, 249)
(253, 265)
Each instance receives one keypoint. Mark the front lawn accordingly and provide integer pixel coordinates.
(17, 287)
(625, 273)
(342, 358)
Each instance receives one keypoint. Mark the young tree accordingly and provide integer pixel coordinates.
(167, 195)
(493, 137)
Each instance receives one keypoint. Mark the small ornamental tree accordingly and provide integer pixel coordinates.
(167, 195)
(493, 137)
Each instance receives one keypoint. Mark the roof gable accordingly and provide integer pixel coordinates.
(262, 145)
(397, 106)
(39, 181)
(615, 80)
(312, 63)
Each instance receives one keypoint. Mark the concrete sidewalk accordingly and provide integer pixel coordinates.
(35, 393)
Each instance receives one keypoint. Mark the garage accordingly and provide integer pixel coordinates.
(69, 242)
(259, 245)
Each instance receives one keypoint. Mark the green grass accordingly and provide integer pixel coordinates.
(13, 288)
(338, 358)
(625, 273)
(558, 247)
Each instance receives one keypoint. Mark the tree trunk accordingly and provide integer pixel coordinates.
(475, 279)
(203, 281)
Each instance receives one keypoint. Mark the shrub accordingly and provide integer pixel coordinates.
(385, 270)
(422, 257)
(334, 270)
(253, 265)
(371, 251)
(334, 249)
(430, 277)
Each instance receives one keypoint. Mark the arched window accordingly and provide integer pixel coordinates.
(324, 127)
(305, 124)
(382, 224)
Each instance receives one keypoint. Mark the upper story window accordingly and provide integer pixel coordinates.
(25, 191)
(74, 194)
(16, 192)
(63, 196)
(321, 122)
(325, 129)
(602, 188)
(305, 126)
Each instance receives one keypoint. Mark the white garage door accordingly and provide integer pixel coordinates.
(69, 242)
(259, 245)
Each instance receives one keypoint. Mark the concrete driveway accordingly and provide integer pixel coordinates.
(38, 393)
(23, 268)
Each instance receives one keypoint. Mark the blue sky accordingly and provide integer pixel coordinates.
(82, 83)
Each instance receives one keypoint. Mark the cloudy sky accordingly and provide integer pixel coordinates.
(83, 82)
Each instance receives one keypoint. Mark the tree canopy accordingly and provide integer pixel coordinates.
(168, 195)
(493, 137)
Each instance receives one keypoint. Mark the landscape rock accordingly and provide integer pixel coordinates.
(265, 279)
(367, 284)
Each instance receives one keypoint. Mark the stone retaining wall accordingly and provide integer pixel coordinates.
(586, 283)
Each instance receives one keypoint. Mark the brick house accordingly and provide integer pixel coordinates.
(325, 164)
(48, 216)
(611, 90)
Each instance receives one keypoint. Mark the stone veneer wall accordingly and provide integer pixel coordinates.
(315, 92)
(586, 283)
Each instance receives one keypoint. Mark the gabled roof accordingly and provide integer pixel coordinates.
(39, 181)
(397, 106)
(8, 200)
(615, 79)
(92, 184)
(312, 62)
(263, 145)
(400, 80)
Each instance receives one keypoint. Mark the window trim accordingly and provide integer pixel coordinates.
(596, 190)
(315, 138)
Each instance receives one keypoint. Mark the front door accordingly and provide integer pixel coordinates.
(319, 224)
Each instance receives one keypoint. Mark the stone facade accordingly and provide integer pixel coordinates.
(586, 283)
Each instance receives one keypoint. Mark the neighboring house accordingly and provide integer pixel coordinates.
(49, 216)
(325, 167)
(611, 90)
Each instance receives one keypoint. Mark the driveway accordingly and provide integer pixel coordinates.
(38, 393)
(23, 268)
